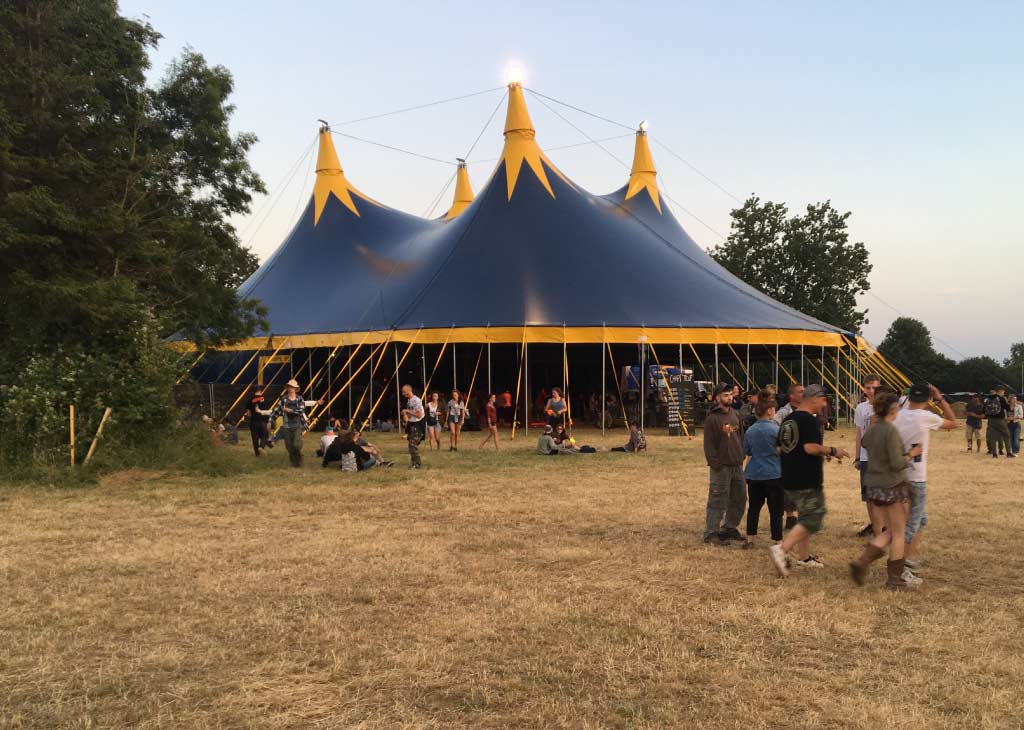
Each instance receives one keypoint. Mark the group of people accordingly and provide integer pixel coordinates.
(1002, 417)
(779, 459)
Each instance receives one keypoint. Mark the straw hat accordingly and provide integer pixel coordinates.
(292, 384)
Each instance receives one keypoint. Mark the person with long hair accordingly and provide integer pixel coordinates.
(492, 422)
(433, 408)
(455, 416)
(888, 490)
(555, 409)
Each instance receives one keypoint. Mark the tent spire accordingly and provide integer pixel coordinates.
(330, 178)
(521, 145)
(463, 192)
(643, 173)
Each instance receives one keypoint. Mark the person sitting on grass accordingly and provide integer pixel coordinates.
(351, 442)
(763, 470)
(566, 441)
(889, 491)
(546, 445)
(637, 441)
(326, 440)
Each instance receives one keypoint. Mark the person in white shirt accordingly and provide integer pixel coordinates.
(915, 423)
(1014, 418)
(862, 415)
(412, 416)
(326, 440)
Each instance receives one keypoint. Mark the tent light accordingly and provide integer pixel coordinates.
(514, 75)
(643, 126)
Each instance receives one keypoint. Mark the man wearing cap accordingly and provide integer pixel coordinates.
(547, 446)
(292, 407)
(794, 397)
(415, 427)
(803, 452)
(259, 423)
(914, 424)
(723, 449)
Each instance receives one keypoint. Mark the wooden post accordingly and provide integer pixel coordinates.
(71, 409)
(99, 432)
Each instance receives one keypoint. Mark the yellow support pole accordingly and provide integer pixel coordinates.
(519, 380)
(565, 373)
(426, 386)
(778, 362)
(373, 370)
(826, 381)
(246, 389)
(194, 363)
(348, 382)
(740, 361)
(99, 432)
(71, 410)
(699, 362)
(671, 393)
(387, 385)
(246, 366)
(618, 387)
(314, 414)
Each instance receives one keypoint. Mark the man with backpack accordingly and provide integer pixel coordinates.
(997, 435)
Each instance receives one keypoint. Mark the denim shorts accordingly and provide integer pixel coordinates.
(918, 513)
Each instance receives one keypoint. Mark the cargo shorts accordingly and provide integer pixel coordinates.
(810, 505)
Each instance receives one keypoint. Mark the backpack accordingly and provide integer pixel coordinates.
(993, 407)
(348, 462)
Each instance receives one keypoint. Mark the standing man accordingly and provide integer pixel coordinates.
(914, 425)
(259, 423)
(412, 414)
(292, 407)
(803, 477)
(723, 449)
(861, 420)
(795, 398)
(997, 435)
(975, 415)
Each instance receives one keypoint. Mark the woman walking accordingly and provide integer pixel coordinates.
(456, 416)
(434, 421)
(1014, 418)
(888, 490)
(492, 422)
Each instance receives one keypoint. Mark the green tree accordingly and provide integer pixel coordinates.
(908, 344)
(978, 374)
(115, 205)
(805, 261)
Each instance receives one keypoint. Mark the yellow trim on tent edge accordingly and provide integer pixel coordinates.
(556, 335)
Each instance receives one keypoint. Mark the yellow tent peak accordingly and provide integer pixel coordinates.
(330, 178)
(463, 192)
(521, 144)
(643, 173)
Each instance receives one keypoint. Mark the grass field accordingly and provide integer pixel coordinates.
(496, 591)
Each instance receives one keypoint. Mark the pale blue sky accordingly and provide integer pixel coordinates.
(909, 114)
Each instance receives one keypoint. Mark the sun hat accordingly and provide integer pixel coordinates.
(291, 384)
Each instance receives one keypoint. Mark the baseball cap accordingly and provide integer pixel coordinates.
(919, 393)
(548, 429)
(722, 387)
(814, 391)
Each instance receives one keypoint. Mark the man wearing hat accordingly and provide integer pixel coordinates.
(723, 449)
(292, 407)
(914, 424)
(803, 452)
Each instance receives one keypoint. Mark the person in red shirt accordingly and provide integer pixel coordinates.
(492, 422)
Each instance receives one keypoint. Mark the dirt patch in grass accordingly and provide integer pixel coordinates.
(495, 591)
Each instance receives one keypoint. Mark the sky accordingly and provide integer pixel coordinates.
(907, 114)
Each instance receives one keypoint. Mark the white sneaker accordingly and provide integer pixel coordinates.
(910, 579)
(913, 564)
(778, 557)
(813, 561)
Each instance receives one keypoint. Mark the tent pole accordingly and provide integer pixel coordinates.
(680, 355)
(718, 379)
(489, 389)
(838, 407)
(526, 387)
(748, 366)
(423, 358)
(454, 374)
(329, 382)
(802, 376)
(350, 354)
(398, 389)
(604, 382)
(643, 384)
(775, 367)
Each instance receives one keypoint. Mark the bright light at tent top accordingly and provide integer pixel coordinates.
(515, 74)
(643, 126)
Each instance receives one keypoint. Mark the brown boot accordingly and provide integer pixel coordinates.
(895, 582)
(859, 567)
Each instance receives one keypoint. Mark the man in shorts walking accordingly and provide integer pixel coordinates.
(803, 452)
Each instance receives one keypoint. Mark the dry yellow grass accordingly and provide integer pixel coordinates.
(496, 591)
